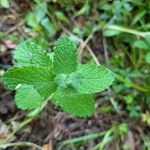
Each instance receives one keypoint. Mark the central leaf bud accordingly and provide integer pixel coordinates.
(67, 80)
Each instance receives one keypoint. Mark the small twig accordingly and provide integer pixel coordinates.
(92, 54)
(105, 50)
(16, 27)
(106, 56)
(30, 116)
(21, 144)
(84, 43)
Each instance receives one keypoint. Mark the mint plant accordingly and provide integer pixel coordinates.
(38, 75)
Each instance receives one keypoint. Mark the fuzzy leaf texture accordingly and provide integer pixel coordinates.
(65, 56)
(41, 74)
(41, 78)
(28, 53)
(28, 98)
(81, 105)
(93, 78)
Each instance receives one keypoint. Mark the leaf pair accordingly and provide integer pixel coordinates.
(40, 75)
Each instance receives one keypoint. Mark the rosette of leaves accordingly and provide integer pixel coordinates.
(38, 75)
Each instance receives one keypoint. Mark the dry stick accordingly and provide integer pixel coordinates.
(30, 116)
(92, 54)
(84, 44)
(106, 56)
(105, 50)
(16, 27)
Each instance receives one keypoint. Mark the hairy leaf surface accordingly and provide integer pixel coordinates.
(93, 78)
(41, 78)
(81, 105)
(65, 56)
(28, 98)
(29, 53)
(38, 75)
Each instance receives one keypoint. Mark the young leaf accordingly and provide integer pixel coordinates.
(93, 78)
(60, 15)
(65, 56)
(74, 103)
(147, 38)
(141, 44)
(4, 3)
(41, 78)
(28, 53)
(28, 98)
(67, 80)
(48, 25)
(147, 57)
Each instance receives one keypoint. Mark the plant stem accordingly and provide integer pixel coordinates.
(127, 30)
(23, 143)
(83, 138)
(130, 83)
(107, 138)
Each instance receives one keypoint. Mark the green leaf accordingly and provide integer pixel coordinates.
(41, 78)
(65, 56)
(60, 15)
(28, 98)
(147, 57)
(93, 78)
(4, 3)
(39, 13)
(141, 44)
(138, 16)
(74, 103)
(70, 85)
(147, 38)
(28, 53)
(84, 10)
(48, 25)
(31, 20)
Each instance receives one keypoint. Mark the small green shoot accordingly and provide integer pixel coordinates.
(40, 75)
